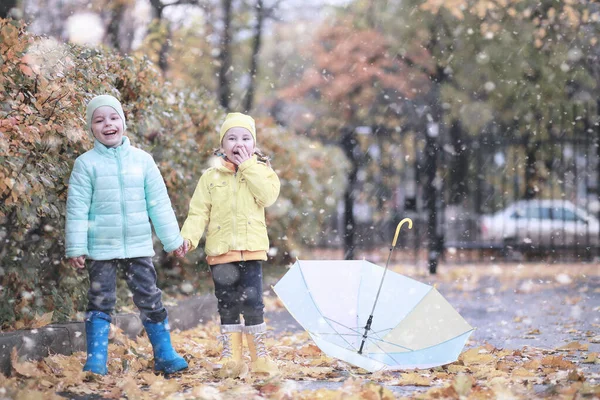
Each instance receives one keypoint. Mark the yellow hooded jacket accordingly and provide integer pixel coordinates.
(231, 207)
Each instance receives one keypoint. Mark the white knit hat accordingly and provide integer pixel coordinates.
(103, 100)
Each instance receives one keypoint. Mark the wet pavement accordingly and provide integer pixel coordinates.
(536, 313)
(541, 312)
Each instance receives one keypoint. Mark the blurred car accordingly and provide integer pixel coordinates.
(540, 223)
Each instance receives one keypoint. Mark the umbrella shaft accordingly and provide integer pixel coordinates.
(381, 283)
(367, 328)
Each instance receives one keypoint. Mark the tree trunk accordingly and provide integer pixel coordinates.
(112, 31)
(163, 54)
(435, 129)
(430, 194)
(460, 165)
(163, 62)
(530, 170)
(348, 143)
(598, 165)
(256, 43)
(225, 56)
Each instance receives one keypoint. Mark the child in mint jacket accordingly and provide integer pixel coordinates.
(115, 190)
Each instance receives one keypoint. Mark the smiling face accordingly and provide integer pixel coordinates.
(238, 145)
(107, 126)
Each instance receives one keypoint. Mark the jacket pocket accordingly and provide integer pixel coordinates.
(216, 240)
(256, 234)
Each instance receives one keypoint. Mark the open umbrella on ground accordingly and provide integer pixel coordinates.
(357, 313)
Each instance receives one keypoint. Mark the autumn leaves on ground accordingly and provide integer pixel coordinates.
(483, 371)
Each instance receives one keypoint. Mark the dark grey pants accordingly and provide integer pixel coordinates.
(238, 287)
(140, 276)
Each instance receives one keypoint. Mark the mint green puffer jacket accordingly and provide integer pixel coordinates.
(113, 194)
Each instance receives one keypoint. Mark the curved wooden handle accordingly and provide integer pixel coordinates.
(405, 220)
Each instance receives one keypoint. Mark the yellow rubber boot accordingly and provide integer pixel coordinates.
(261, 362)
(232, 365)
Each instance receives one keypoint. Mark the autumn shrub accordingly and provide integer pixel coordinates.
(44, 86)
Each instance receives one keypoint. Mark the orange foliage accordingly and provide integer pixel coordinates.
(44, 86)
(357, 64)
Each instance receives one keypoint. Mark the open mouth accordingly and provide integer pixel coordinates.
(110, 133)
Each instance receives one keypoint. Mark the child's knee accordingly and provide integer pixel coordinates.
(101, 301)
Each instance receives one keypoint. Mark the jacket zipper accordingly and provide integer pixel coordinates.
(234, 211)
(123, 216)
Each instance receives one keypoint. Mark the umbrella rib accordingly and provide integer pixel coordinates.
(424, 348)
(374, 337)
(378, 338)
(342, 335)
(356, 330)
(446, 341)
(356, 334)
(375, 343)
(342, 325)
(319, 310)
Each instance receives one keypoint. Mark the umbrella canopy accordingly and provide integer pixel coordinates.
(413, 326)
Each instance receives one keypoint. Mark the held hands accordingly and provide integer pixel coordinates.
(77, 262)
(183, 249)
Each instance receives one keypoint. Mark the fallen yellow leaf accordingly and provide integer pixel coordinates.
(315, 372)
(130, 388)
(462, 384)
(27, 368)
(482, 372)
(310, 350)
(455, 368)
(523, 372)
(532, 365)
(592, 358)
(42, 320)
(476, 356)
(375, 391)
(557, 362)
(573, 346)
(413, 379)
(163, 387)
(588, 389)
(575, 376)
(446, 392)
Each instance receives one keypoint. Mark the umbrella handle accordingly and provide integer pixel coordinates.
(405, 220)
(368, 326)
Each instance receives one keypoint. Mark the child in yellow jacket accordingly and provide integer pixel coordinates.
(229, 202)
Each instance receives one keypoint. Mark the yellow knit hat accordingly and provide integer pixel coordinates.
(235, 120)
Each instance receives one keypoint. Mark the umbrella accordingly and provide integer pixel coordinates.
(353, 311)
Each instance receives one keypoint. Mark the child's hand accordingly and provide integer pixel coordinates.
(77, 262)
(183, 249)
(241, 156)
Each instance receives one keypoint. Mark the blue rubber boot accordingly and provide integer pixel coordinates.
(97, 325)
(165, 358)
